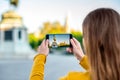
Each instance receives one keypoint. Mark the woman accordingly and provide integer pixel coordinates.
(101, 32)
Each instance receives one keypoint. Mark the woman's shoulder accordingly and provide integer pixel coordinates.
(76, 76)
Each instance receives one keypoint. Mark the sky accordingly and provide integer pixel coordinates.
(36, 12)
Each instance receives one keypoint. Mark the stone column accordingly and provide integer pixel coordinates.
(1, 41)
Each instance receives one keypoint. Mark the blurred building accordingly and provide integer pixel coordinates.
(13, 36)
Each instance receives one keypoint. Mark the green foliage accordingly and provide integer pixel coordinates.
(33, 41)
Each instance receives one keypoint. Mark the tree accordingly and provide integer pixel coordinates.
(33, 41)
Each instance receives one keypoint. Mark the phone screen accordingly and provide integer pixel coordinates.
(59, 40)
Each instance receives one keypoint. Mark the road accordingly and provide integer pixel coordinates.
(57, 65)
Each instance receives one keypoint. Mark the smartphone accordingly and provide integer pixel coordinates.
(59, 40)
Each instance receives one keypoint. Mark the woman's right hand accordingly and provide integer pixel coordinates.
(76, 49)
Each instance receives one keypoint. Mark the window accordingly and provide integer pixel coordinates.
(8, 36)
(19, 35)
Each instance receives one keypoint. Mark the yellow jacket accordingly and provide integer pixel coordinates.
(37, 72)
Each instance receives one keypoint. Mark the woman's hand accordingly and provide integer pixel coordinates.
(43, 48)
(76, 49)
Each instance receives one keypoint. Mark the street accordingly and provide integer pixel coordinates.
(57, 65)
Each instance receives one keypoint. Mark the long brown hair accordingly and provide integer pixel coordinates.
(101, 32)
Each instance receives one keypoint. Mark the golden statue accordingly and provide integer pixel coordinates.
(14, 2)
(54, 43)
(10, 19)
(54, 38)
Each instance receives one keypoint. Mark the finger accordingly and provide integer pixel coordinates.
(38, 49)
(47, 42)
(43, 43)
(76, 41)
(69, 50)
(73, 43)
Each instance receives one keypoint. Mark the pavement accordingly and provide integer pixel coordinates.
(57, 65)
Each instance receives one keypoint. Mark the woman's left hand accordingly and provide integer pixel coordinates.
(43, 48)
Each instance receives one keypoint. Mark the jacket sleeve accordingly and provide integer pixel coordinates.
(84, 63)
(37, 72)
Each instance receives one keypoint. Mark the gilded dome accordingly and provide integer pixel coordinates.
(10, 19)
(11, 14)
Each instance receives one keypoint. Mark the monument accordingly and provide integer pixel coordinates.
(13, 35)
(54, 43)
